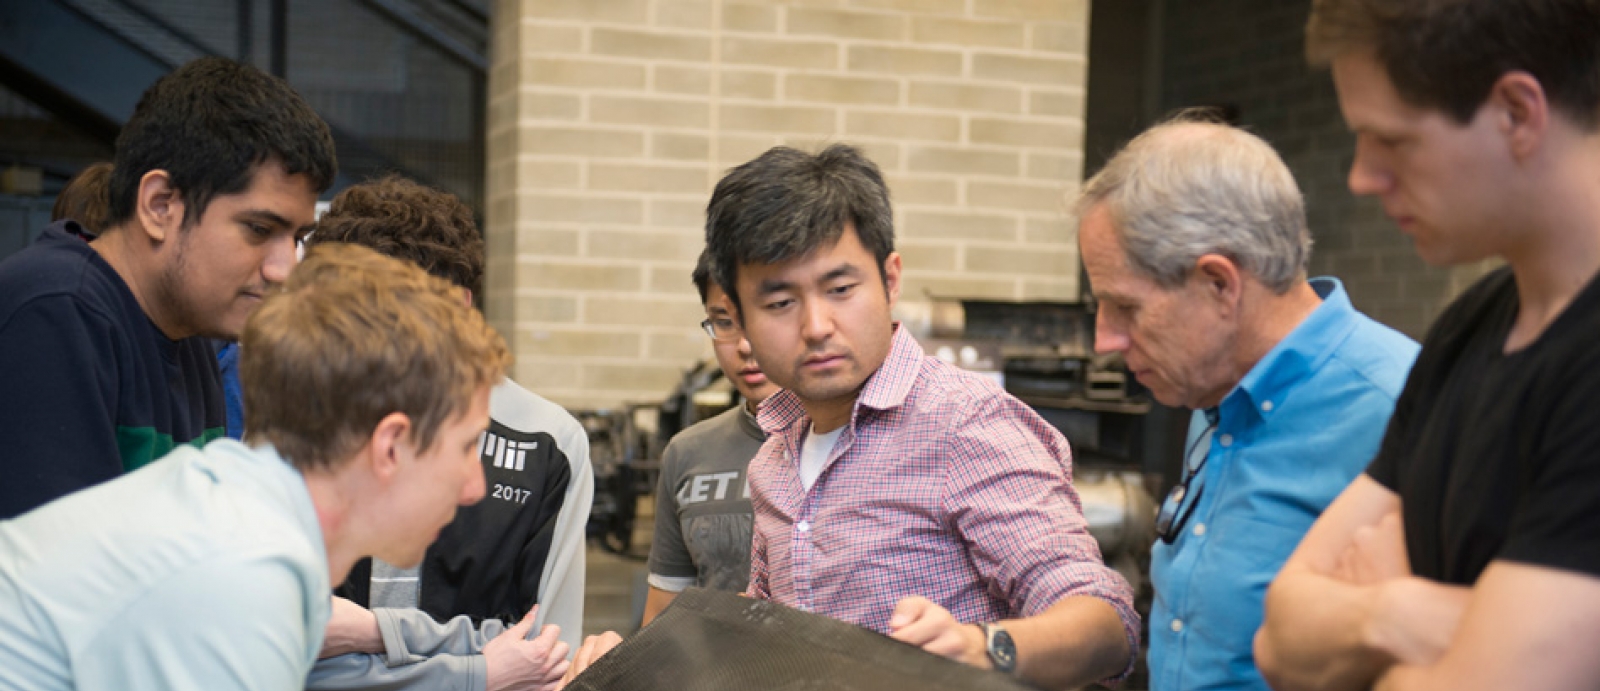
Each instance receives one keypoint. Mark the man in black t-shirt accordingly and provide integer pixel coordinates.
(1467, 556)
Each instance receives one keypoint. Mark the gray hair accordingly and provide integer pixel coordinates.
(1187, 188)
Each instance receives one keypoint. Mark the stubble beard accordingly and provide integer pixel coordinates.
(170, 291)
(822, 390)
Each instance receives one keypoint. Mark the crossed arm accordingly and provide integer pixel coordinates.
(1347, 613)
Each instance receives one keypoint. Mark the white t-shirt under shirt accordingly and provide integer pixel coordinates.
(814, 454)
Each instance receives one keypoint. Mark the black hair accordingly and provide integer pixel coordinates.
(210, 124)
(787, 203)
(702, 274)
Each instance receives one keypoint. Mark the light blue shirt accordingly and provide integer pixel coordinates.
(1297, 429)
(203, 570)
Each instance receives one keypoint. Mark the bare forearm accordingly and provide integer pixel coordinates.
(351, 629)
(1075, 642)
(1313, 636)
(654, 602)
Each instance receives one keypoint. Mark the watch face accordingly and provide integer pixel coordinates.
(1002, 651)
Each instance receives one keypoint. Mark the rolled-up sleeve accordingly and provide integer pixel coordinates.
(1009, 494)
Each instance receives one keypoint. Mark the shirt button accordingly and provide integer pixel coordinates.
(1266, 406)
(1177, 626)
(1199, 529)
(803, 526)
(1226, 440)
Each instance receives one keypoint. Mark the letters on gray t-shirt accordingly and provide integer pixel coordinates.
(703, 516)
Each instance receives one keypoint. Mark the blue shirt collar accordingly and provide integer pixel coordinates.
(1295, 358)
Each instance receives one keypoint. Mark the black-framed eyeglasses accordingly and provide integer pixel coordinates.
(721, 329)
(1179, 505)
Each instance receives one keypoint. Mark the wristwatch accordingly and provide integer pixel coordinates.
(1002, 651)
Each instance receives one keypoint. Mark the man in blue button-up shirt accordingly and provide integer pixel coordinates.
(1195, 241)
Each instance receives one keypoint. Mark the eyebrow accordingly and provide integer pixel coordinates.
(774, 285)
(275, 220)
(846, 271)
(267, 216)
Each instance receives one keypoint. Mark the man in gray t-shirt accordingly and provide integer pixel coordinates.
(703, 502)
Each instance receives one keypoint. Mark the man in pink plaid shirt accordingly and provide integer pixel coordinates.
(897, 492)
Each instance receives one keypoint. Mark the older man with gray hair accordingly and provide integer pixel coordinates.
(1194, 237)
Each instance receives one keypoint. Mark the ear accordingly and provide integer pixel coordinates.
(891, 277)
(1220, 281)
(389, 442)
(1521, 110)
(159, 206)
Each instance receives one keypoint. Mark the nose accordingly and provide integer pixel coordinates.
(474, 488)
(742, 347)
(818, 324)
(1367, 176)
(1108, 336)
(281, 258)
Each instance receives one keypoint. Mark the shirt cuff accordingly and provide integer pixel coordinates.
(671, 584)
(394, 644)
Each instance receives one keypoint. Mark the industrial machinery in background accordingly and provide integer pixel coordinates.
(620, 455)
(625, 446)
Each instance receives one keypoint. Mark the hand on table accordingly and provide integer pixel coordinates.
(920, 622)
(516, 663)
(593, 648)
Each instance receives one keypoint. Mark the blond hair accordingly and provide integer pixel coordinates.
(352, 337)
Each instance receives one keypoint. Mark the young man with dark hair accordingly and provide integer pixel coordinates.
(897, 492)
(1467, 557)
(703, 514)
(524, 544)
(211, 568)
(104, 357)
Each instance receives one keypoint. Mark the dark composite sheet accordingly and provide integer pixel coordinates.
(717, 641)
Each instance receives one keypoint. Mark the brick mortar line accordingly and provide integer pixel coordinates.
(965, 116)
(782, 35)
(1023, 89)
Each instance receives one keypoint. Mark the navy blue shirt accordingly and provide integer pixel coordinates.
(1294, 432)
(89, 387)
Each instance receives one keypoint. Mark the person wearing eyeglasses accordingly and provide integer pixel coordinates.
(703, 515)
(1195, 241)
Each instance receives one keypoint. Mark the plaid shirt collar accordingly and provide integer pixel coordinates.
(887, 388)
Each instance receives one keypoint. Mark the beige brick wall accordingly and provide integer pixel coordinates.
(611, 120)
